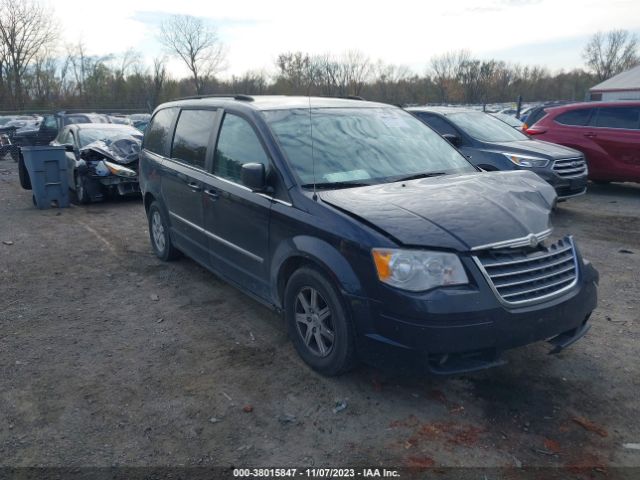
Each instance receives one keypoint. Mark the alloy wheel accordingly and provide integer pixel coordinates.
(314, 321)
(157, 230)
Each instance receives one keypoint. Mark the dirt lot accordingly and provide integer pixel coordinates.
(111, 357)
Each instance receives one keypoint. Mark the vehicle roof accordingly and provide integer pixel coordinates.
(578, 105)
(443, 110)
(100, 126)
(274, 102)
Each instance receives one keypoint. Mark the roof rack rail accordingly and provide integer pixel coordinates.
(235, 96)
(346, 97)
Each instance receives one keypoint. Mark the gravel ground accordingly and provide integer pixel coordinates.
(111, 357)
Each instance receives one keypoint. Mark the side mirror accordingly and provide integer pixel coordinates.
(68, 147)
(253, 176)
(452, 139)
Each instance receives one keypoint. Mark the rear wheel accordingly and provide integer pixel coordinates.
(159, 234)
(318, 323)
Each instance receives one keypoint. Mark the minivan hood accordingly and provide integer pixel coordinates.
(453, 211)
(535, 147)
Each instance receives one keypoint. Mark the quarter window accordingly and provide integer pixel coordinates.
(618, 117)
(157, 134)
(578, 118)
(237, 144)
(192, 136)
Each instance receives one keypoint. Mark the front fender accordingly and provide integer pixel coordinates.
(316, 251)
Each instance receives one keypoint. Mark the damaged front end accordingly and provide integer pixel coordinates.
(110, 166)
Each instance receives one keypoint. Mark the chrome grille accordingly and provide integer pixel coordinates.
(530, 275)
(570, 167)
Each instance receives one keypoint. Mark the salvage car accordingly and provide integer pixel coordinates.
(607, 133)
(102, 160)
(368, 231)
(493, 145)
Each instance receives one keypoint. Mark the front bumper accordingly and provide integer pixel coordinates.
(566, 187)
(98, 185)
(454, 330)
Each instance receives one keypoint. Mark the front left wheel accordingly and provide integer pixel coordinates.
(318, 323)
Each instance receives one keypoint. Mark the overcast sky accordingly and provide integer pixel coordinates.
(543, 32)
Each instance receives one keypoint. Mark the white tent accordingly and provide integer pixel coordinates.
(624, 86)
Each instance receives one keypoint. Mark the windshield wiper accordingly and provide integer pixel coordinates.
(416, 176)
(336, 185)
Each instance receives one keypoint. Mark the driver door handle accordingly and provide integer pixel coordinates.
(590, 135)
(194, 186)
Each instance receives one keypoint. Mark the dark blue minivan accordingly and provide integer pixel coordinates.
(367, 230)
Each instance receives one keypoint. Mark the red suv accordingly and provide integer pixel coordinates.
(608, 133)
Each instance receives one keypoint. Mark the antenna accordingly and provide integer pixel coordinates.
(313, 160)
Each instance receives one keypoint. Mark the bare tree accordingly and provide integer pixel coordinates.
(197, 44)
(26, 29)
(445, 69)
(610, 53)
(159, 78)
(295, 69)
(355, 69)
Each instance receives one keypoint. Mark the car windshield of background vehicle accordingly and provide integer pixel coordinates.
(361, 145)
(486, 128)
(89, 135)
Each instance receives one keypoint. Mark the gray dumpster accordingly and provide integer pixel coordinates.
(47, 167)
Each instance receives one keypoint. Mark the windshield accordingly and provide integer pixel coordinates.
(89, 135)
(361, 145)
(485, 128)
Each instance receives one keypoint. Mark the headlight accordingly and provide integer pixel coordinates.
(119, 169)
(526, 160)
(418, 270)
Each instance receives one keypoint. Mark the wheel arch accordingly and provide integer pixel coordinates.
(149, 198)
(310, 251)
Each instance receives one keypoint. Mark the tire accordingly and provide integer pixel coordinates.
(80, 195)
(23, 174)
(159, 234)
(15, 153)
(310, 325)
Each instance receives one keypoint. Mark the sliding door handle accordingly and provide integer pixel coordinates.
(211, 193)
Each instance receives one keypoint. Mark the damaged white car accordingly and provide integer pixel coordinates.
(102, 160)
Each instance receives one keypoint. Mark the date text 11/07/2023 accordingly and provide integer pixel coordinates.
(315, 473)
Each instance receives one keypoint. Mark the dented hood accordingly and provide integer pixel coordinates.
(122, 149)
(452, 211)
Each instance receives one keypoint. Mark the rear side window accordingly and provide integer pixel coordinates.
(157, 134)
(237, 144)
(192, 136)
(578, 118)
(618, 117)
(440, 125)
